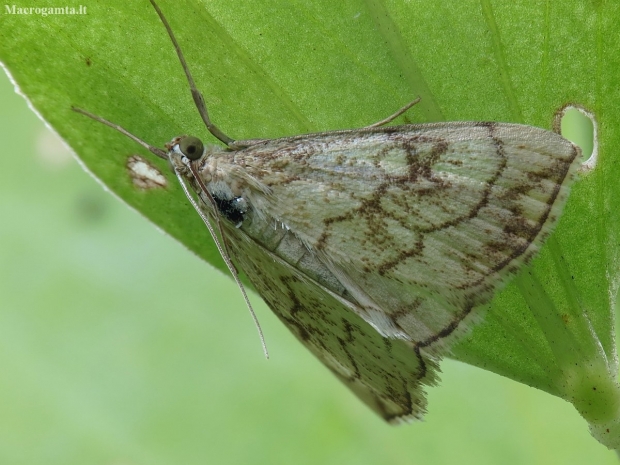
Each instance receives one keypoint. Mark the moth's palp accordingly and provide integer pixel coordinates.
(222, 249)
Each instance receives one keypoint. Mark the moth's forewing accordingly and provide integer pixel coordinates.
(420, 223)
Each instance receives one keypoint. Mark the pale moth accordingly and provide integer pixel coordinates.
(376, 246)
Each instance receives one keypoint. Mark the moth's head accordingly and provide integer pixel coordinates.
(189, 147)
(184, 149)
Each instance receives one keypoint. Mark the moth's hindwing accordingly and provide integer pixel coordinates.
(385, 373)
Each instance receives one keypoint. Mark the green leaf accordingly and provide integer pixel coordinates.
(283, 68)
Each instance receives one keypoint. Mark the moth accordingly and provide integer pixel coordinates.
(376, 246)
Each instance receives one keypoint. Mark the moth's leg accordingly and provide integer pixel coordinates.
(394, 116)
(241, 144)
(196, 95)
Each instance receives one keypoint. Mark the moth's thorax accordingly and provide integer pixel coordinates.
(211, 166)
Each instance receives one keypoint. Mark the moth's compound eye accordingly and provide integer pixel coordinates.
(191, 147)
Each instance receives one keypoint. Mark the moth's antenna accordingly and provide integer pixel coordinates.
(221, 250)
(197, 96)
(154, 150)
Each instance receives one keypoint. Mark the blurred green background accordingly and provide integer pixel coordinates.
(118, 346)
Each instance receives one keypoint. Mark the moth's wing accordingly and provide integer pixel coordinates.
(388, 375)
(422, 223)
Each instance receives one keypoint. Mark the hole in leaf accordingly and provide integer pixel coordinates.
(579, 126)
(579, 129)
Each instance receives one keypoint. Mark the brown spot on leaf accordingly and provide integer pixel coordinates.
(144, 175)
